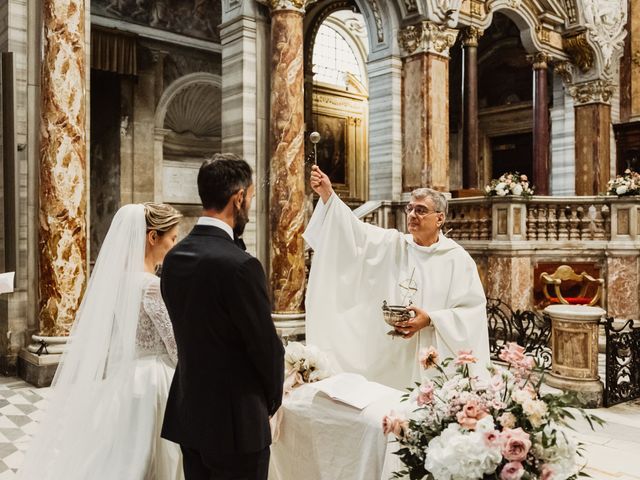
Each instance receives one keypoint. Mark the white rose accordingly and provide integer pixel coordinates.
(520, 396)
(535, 410)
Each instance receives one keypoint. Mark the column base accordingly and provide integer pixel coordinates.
(290, 326)
(589, 392)
(37, 363)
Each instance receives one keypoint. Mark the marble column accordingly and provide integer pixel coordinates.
(425, 105)
(63, 166)
(541, 123)
(287, 178)
(634, 39)
(470, 149)
(592, 133)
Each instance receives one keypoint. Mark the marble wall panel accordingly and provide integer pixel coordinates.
(510, 279)
(592, 147)
(623, 280)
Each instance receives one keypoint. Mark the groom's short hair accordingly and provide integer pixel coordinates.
(220, 177)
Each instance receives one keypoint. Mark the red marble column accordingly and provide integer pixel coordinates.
(470, 149)
(287, 160)
(593, 138)
(63, 170)
(541, 124)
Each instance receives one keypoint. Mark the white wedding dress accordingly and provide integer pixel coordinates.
(156, 359)
(104, 413)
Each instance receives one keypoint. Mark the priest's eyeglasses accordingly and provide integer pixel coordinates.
(419, 210)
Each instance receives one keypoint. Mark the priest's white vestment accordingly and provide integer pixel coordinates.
(356, 266)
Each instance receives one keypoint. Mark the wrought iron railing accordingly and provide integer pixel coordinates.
(622, 362)
(527, 328)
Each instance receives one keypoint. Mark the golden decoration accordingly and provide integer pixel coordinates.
(580, 51)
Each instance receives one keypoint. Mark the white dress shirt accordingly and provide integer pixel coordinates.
(215, 222)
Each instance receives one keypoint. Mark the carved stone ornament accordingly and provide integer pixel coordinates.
(411, 6)
(514, 3)
(606, 21)
(636, 58)
(377, 16)
(445, 11)
(427, 37)
(581, 53)
(565, 70)
(597, 91)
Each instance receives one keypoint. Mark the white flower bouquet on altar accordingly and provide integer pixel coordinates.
(513, 184)
(627, 184)
(304, 364)
(463, 428)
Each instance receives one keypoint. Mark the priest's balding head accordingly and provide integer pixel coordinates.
(426, 213)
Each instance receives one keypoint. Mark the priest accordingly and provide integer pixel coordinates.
(357, 266)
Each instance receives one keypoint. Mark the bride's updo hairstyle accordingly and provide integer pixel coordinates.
(160, 217)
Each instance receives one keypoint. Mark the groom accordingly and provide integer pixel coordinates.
(228, 380)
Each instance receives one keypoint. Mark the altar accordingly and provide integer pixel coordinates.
(324, 439)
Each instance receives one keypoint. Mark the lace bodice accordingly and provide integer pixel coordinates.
(155, 333)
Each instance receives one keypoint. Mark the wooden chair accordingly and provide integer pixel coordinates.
(564, 273)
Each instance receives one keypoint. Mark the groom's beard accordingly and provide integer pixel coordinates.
(241, 218)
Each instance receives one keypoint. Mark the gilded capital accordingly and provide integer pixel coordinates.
(581, 53)
(470, 36)
(427, 37)
(295, 5)
(539, 60)
(596, 91)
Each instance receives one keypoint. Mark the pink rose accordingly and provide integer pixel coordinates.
(428, 357)
(547, 472)
(512, 471)
(395, 425)
(491, 438)
(465, 357)
(515, 444)
(469, 423)
(425, 396)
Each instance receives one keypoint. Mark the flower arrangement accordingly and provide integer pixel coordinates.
(305, 364)
(514, 184)
(464, 428)
(627, 184)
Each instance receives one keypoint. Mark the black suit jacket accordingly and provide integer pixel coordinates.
(230, 370)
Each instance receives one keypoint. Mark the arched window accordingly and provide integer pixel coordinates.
(333, 58)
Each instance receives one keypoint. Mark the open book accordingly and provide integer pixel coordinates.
(353, 389)
(6, 282)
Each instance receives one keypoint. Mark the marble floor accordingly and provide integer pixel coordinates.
(612, 452)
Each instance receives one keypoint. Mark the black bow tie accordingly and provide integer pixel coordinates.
(239, 242)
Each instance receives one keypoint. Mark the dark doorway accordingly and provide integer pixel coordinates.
(512, 153)
(105, 155)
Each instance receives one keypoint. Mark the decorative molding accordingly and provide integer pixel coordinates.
(411, 6)
(579, 50)
(515, 4)
(635, 58)
(230, 5)
(427, 37)
(377, 16)
(597, 91)
(544, 35)
(478, 8)
(572, 11)
(606, 21)
(471, 35)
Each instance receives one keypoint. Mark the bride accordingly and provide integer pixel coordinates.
(104, 412)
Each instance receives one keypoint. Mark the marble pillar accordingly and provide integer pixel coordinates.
(622, 295)
(63, 169)
(511, 280)
(287, 178)
(541, 123)
(425, 105)
(634, 39)
(592, 134)
(470, 148)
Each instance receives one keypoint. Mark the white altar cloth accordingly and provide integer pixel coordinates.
(322, 439)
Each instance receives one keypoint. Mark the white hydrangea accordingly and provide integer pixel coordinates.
(455, 455)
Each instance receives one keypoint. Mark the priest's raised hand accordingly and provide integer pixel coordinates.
(356, 266)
